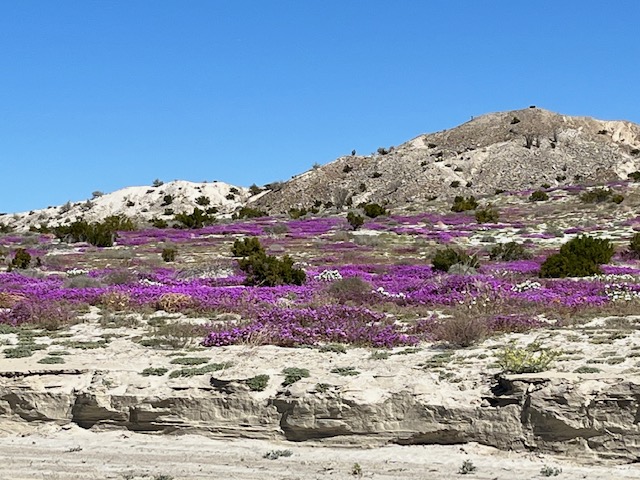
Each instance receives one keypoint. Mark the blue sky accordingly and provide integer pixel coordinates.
(100, 95)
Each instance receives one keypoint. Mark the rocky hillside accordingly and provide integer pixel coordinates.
(140, 203)
(513, 150)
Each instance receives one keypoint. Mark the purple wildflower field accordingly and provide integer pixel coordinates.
(398, 298)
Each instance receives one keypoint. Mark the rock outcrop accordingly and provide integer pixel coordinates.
(596, 417)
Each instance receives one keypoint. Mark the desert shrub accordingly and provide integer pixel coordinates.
(487, 215)
(254, 189)
(115, 301)
(352, 289)
(597, 195)
(169, 254)
(258, 383)
(296, 213)
(203, 201)
(101, 234)
(167, 200)
(198, 219)
(538, 196)
(269, 271)
(248, 212)
(508, 252)
(462, 204)
(347, 169)
(175, 302)
(277, 229)
(579, 257)
(455, 184)
(531, 359)
(373, 210)
(462, 330)
(230, 196)
(246, 247)
(157, 183)
(151, 371)
(634, 245)
(50, 315)
(444, 259)
(617, 198)
(355, 220)
(120, 277)
(159, 223)
(635, 176)
(21, 259)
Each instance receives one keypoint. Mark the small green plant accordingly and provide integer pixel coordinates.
(444, 259)
(635, 176)
(276, 454)
(356, 470)
(333, 348)
(345, 371)
(21, 259)
(355, 220)
(248, 212)
(258, 383)
(548, 471)
(455, 184)
(51, 360)
(189, 360)
(269, 271)
(151, 371)
(538, 196)
(293, 374)
(192, 372)
(21, 351)
(596, 195)
(296, 213)
(634, 246)
(322, 387)
(197, 219)
(169, 254)
(531, 359)
(379, 355)
(166, 200)
(467, 467)
(463, 204)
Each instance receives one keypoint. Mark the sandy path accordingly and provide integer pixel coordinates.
(73, 453)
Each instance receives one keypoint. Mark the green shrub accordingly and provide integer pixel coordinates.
(248, 212)
(269, 271)
(21, 259)
(617, 198)
(444, 259)
(246, 247)
(634, 245)
(167, 200)
(355, 220)
(296, 213)
(198, 219)
(579, 257)
(203, 201)
(462, 204)
(538, 196)
(99, 234)
(508, 252)
(352, 289)
(373, 210)
(487, 215)
(159, 223)
(635, 176)
(597, 195)
(169, 254)
(254, 189)
(455, 184)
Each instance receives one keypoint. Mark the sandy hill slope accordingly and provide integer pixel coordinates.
(512, 150)
(140, 203)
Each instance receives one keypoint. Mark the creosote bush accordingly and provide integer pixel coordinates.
(21, 259)
(373, 210)
(634, 246)
(462, 204)
(101, 234)
(355, 220)
(246, 247)
(248, 212)
(350, 289)
(262, 269)
(487, 215)
(198, 219)
(444, 259)
(169, 254)
(508, 252)
(538, 196)
(579, 257)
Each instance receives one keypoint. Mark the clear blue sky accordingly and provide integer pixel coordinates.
(99, 95)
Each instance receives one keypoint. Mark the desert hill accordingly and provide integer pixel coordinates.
(513, 150)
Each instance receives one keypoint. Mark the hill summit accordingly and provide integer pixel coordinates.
(514, 150)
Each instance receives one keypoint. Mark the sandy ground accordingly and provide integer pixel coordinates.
(73, 453)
